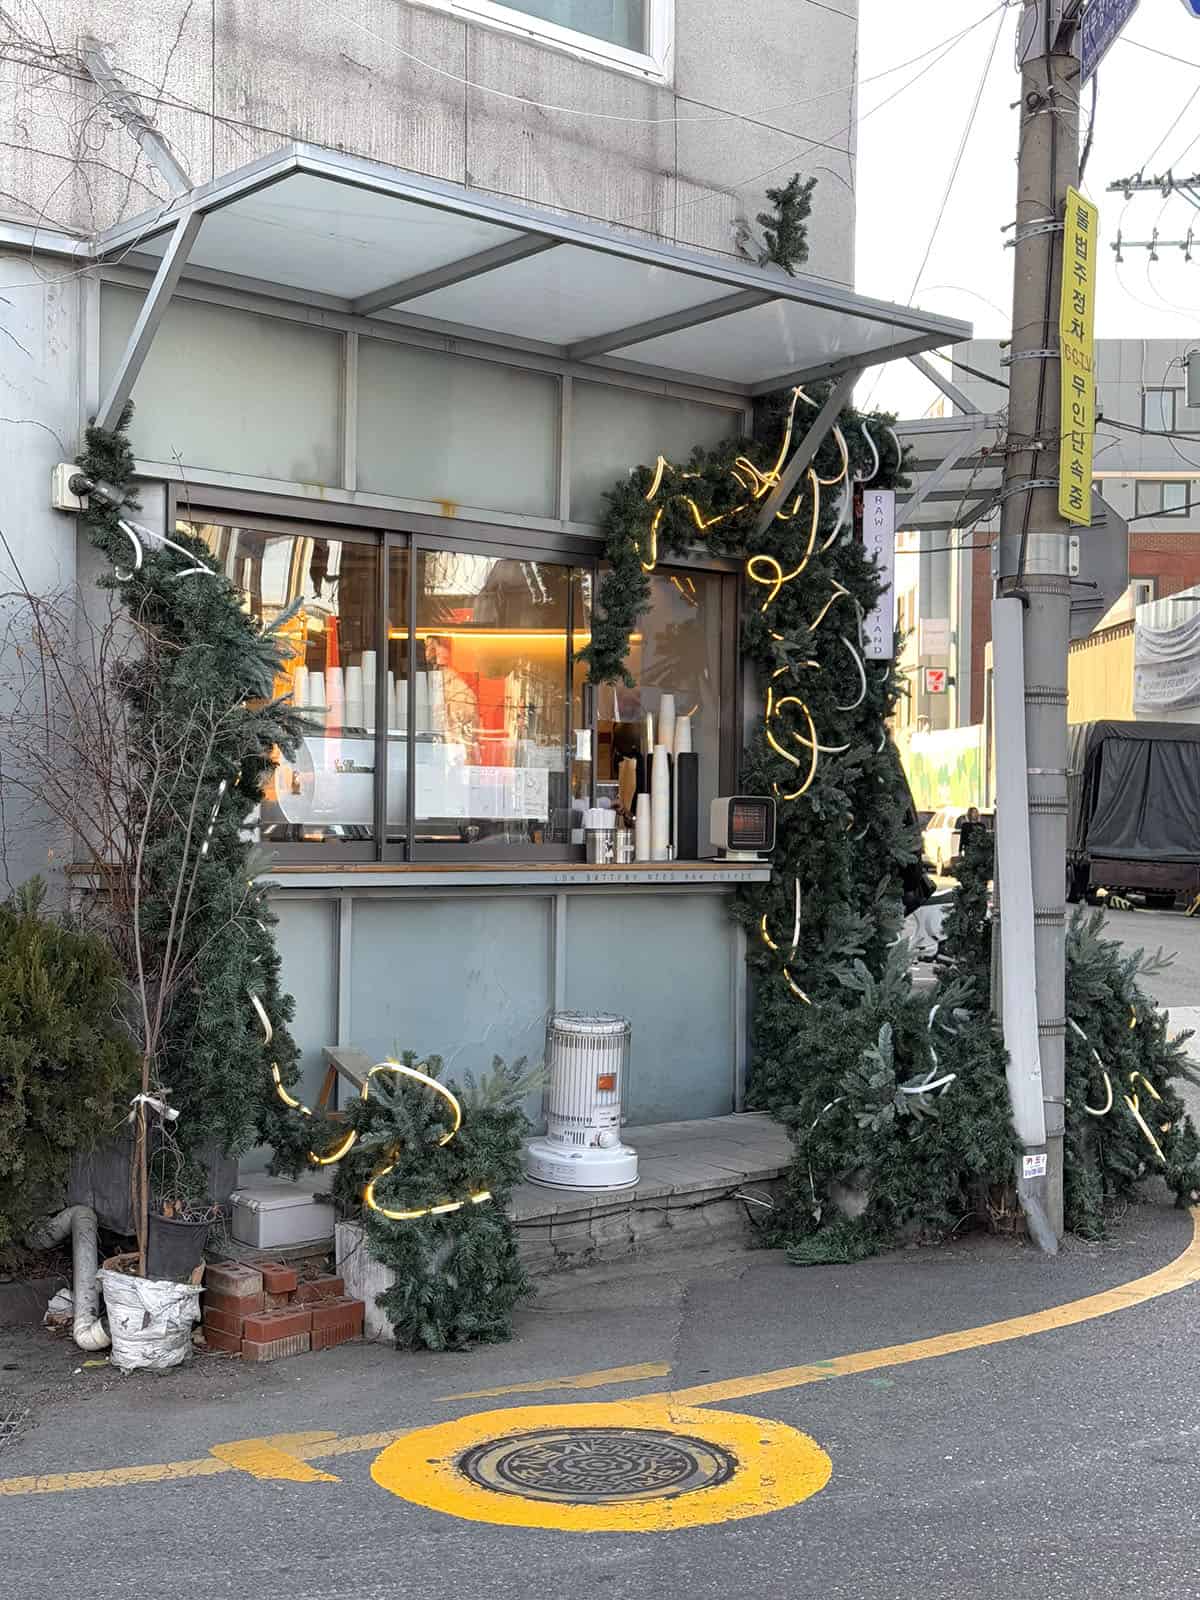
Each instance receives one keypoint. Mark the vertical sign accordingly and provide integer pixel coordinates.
(1076, 330)
(879, 540)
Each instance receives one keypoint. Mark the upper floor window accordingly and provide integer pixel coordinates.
(1158, 409)
(1162, 497)
(630, 33)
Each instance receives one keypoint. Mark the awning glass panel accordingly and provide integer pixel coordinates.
(382, 242)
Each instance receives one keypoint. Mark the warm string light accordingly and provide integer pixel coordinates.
(767, 572)
(444, 1207)
(765, 934)
(330, 1158)
(931, 1081)
(862, 676)
(1132, 1101)
(757, 484)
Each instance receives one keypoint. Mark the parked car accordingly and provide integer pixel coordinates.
(941, 839)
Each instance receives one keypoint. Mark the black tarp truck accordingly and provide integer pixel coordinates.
(1133, 809)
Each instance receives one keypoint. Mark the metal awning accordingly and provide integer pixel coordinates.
(375, 241)
(956, 469)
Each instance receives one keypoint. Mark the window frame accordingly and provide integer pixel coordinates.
(656, 62)
(1162, 389)
(388, 531)
(1159, 485)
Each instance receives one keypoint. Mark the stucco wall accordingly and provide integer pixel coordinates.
(230, 80)
(39, 413)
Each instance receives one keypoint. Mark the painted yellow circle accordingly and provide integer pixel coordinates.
(777, 1467)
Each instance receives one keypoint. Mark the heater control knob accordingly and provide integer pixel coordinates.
(608, 1139)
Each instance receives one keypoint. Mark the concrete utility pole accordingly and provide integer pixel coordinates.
(1033, 552)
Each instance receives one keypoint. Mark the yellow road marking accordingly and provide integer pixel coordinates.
(1178, 1274)
(1184, 1270)
(114, 1477)
(274, 1456)
(583, 1380)
(775, 1467)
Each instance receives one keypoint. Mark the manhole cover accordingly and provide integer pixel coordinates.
(597, 1466)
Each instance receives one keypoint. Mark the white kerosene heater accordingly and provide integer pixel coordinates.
(587, 1069)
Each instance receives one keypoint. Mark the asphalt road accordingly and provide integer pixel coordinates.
(1178, 937)
(1056, 1464)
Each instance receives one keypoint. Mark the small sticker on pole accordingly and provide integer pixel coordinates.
(1033, 1166)
(1077, 338)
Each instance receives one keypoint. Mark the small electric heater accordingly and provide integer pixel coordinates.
(743, 826)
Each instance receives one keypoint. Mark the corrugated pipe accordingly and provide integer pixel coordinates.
(80, 1222)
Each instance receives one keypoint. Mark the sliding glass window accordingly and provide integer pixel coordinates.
(323, 796)
(440, 687)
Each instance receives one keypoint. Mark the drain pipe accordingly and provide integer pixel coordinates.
(80, 1222)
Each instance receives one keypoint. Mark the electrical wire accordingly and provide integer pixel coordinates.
(976, 372)
(939, 53)
(1195, 94)
(608, 116)
(951, 180)
(1091, 129)
(1150, 49)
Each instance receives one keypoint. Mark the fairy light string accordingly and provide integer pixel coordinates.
(810, 520)
(330, 1157)
(1132, 1100)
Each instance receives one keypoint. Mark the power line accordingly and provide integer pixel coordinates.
(959, 154)
(954, 171)
(607, 116)
(939, 52)
(1150, 49)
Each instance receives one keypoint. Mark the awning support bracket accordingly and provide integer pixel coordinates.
(934, 480)
(951, 390)
(170, 269)
(125, 107)
(803, 455)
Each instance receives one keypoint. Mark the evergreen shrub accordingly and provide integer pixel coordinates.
(67, 1066)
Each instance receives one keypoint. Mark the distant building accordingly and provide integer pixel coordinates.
(1148, 471)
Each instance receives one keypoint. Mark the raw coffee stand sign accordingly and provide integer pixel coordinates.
(879, 540)
(1102, 22)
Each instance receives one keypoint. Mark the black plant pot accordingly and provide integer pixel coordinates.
(174, 1249)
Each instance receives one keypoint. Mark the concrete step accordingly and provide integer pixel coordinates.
(701, 1184)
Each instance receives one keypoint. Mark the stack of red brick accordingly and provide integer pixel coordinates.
(264, 1313)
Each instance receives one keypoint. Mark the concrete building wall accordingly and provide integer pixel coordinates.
(39, 420)
(754, 92)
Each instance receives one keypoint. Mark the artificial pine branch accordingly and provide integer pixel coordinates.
(785, 226)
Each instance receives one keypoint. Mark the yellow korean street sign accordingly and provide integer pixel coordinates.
(1077, 337)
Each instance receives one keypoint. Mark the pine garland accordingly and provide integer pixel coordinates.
(200, 686)
(838, 1035)
(1119, 1056)
(458, 1276)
